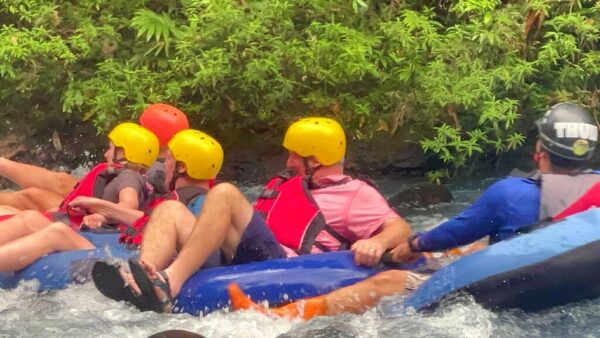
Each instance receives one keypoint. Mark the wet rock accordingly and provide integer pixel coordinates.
(79, 145)
(176, 334)
(421, 195)
(11, 145)
(385, 155)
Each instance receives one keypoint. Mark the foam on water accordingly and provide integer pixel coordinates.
(80, 311)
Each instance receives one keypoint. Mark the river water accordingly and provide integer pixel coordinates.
(80, 311)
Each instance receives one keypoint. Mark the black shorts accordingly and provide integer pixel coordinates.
(257, 243)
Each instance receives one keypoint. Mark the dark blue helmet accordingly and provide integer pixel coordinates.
(568, 130)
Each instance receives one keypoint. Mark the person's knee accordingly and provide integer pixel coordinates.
(390, 281)
(32, 193)
(37, 197)
(22, 199)
(171, 207)
(65, 182)
(224, 190)
(58, 231)
(60, 237)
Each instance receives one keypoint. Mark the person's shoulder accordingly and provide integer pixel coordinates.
(127, 171)
(128, 174)
(510, 184)
(363, 187)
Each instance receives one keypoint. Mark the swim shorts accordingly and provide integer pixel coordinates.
(257, 243)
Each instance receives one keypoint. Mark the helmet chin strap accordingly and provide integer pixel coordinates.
(175, 176)
(115, 159)
(308, 169)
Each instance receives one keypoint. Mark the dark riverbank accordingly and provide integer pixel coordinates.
(249, 159)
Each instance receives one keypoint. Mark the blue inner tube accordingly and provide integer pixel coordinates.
(554, 265)
(59, 270)
(276, 281)
(551, 266)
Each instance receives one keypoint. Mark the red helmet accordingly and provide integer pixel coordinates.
(164, 121)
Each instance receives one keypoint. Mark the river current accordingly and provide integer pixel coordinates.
(80, 311)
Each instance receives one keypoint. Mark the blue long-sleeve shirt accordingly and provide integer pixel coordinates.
(504, 207)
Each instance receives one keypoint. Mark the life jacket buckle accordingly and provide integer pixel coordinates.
(131, 231)
(269, 193)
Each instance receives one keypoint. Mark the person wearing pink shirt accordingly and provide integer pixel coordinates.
(334, 212)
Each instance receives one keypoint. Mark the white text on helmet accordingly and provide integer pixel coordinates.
(584, 131)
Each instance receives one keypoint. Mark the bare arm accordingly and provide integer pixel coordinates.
(128, 198)
(394, 232)
(369, 251)
(113, 212)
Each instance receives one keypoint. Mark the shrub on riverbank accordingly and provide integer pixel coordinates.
(464, 78)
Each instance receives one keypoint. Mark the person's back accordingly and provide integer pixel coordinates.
(353, 209)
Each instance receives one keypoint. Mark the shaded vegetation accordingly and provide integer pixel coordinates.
(464, 78)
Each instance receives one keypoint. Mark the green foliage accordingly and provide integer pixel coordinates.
(464, 78)
(155, 27)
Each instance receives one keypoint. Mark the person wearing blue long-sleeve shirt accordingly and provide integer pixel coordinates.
(503, 208)
(567, 136)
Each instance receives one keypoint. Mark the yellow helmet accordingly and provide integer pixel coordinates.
(201, 154)
(139, 144)
(320, 137)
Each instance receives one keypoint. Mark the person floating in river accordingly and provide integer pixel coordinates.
(43, 189)
(192, 162)
(567, 137)
(333, 211)
(30, 234)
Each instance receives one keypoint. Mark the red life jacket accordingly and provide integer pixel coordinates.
(293, 215)
(91, 185)
(589, 200)
(132, 235)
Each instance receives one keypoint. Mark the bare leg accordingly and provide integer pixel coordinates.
(31, 199)
(8, 210)
(167, 230)
(356, 298)
(27, 176)
(22, 224)
(224, 217)
(20, 253)
(364, 295)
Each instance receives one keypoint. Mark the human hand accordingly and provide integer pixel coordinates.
(93, 221)
(84, 202)
(367, 252)
(403, 254)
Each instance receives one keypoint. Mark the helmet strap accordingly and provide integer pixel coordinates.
(310, 171)
(116, 159)
(175, 176)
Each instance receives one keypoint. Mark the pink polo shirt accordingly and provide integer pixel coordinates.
(354, 209)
